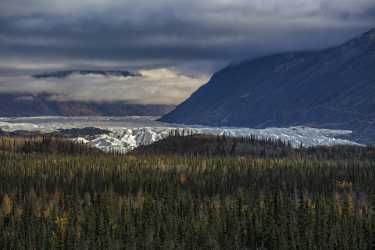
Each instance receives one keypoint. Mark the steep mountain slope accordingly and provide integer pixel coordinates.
(331, 88)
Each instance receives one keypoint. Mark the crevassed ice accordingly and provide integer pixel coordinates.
(129, 133)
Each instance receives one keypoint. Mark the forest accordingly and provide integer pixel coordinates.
(217, 193)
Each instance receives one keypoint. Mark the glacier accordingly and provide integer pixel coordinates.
(127, 133)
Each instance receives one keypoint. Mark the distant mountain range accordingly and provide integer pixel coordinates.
(27, 104)
(330, 88)
(42, 104)
(67, 73)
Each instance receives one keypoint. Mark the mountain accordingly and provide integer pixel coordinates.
(330, 88)
(67, 73)
(42, 104)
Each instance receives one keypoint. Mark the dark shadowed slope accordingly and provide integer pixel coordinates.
(331, 88)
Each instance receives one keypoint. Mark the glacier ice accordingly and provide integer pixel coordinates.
(127, 133)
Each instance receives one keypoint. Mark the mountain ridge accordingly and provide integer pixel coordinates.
(330, 88)
(44, 103)
(17, 105)
(67, 73)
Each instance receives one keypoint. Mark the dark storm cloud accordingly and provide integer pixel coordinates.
(174, 31)
(164, 37)
(183, 36)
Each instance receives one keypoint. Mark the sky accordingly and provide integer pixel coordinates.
(176, 44)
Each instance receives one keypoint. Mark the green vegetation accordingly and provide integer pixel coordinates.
(56, 199)
(208, 145)
(43, 144)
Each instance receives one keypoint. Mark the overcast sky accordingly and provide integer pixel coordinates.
(184, 41)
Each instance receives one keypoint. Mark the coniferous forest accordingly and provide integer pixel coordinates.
(228, 194)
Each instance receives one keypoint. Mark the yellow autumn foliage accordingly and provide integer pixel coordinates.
(61, 222)
(7, 205)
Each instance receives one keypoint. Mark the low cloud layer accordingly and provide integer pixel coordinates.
(158, 86)
(192, 36)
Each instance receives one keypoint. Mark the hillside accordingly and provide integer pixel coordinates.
(331, 88)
